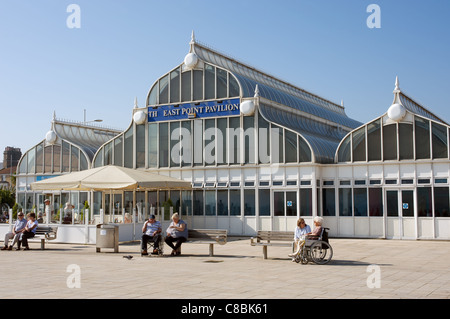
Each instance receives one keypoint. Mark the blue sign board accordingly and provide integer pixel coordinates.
(194, 110)
(42, 177)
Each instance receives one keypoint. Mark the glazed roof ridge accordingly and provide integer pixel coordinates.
(248, 71)
(414, 107)
(86, 136)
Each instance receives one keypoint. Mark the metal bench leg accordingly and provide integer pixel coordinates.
(42, 243)
(211, 250)
(265, 252)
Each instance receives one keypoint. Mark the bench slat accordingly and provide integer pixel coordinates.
(208, 236)
(44, 233)
(265, 238)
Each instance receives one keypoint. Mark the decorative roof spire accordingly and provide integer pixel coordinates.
(397, 88)
(256, 91)
(192, 38)
(135, 103)
(396, 111)
(397, 92)
(191, 44)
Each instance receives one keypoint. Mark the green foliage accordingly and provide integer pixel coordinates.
(7, 196)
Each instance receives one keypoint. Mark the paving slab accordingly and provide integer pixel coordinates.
(360, 268)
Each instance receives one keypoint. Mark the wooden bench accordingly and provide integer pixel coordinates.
(43, 234)
(207, 236)
(266, 238)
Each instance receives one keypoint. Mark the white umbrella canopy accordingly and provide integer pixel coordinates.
(110, 177)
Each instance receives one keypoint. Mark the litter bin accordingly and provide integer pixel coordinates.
(107, 237)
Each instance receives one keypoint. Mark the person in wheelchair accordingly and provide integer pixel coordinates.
(151, 232)
(315, 234)
(311, 235)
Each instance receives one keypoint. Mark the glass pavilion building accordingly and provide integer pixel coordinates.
(260, 153)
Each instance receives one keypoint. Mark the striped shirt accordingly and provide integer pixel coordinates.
(151, 228)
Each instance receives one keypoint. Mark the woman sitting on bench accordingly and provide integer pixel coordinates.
(176, 232)
(30, 230)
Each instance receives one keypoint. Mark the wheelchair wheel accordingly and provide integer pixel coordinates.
(321, 252)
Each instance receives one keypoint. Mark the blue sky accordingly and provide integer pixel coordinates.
(122, 47)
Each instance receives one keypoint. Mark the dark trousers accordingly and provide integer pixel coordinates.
(146, 238)
(170, 240)
(25, 236)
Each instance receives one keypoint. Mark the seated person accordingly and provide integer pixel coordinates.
(299, 235)
(152, 231)
(315, 234)
(16, 234)
(30, 230)
(176, 232)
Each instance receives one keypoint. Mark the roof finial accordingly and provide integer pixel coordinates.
(397, 87)
(54, 115)
(192, 38)
(342, 102)
(256, 91)
(397, 92)
(135, 103)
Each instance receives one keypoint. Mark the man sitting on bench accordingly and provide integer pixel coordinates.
(152, 231)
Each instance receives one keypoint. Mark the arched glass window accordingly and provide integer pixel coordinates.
(186, 86)
(65, 157)
(405, 135)
(210, 82)
(390, 142)
(198, 85)
(48, 159)
(128, 148)
(31, 160)
(39, 158)
(290, 146)
(439, 139)
(193, 85)
(344, 153)
(304, 154)
(175, 86)
(359, 145)
(108, 154)
(152, 144)
(75, 158)
(374, 141)
(422, 127)
(118, 151)
(140, 146)
(23, 164)
(164, 90)
(163, 144)
(56, 158)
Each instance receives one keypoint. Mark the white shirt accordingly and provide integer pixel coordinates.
(299, 232)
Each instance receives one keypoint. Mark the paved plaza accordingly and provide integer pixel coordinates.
(360, 268)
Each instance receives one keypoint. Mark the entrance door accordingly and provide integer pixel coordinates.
(400, 213)
(284, 209)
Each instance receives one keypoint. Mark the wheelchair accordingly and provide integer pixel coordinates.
(318, 251)
(151, 246)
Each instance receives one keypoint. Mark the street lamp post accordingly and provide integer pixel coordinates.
(84, 122)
